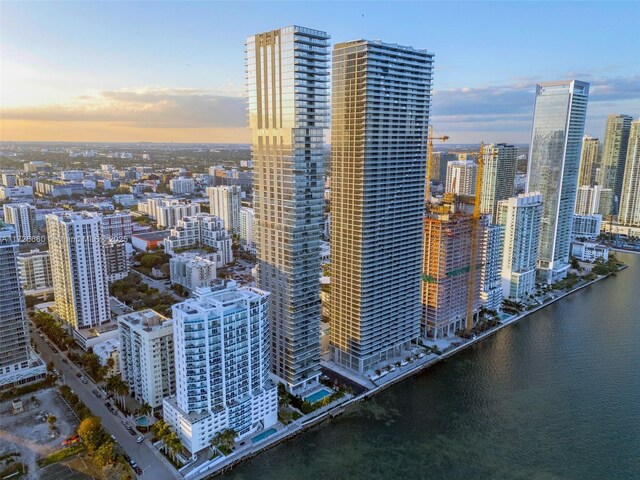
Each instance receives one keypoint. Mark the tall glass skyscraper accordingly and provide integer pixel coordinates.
(498, 176)
(554, 159)
(287, 75)
(630, 201)
(614, 155)
(380, 111)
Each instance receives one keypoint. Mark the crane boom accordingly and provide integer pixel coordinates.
(430, 139)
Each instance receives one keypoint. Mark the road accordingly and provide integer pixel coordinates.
(151, 462)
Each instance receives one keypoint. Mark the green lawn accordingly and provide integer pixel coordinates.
(62, 454)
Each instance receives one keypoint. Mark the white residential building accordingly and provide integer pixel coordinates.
(193, 269)
(589, 251)
(109, 349)
(224, 203)
(71, 175)
(586, 226)
(147, 356)
(182, 185)
(594, 200)
(79, 268)
(125, 199)
(461, 177)
(117, 226)
(521, 218)
(202, 230)
(247, 220)
(23, 218)
(35, 270)
(167, 211)
(222, 359)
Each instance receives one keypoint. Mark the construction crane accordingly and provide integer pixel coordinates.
(475, 227)
(430, 139)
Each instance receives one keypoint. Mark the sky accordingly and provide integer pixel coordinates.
(174, 71)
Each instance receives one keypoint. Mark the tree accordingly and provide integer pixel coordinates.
(225, 440)
(116, 471)
(51, 420)
(91, 432)
(145, 409)
(160, 429)
(104, 454)
(172, 444)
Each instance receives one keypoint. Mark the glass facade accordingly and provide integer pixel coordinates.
(380, 112)
(554, 160)
(287, 80)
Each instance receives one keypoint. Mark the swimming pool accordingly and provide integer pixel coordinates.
(319, 395)
(142, 421)
(263, 435)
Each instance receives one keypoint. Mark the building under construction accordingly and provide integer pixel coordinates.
(448, 238)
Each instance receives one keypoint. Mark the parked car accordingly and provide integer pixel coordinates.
(138, 470)
(97, 393)
(84, 380)
(140, 439)
(131, 431)
(126, 457)
(79, 375)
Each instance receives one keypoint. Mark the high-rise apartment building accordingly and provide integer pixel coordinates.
(79, 269)
(287, 75)
(146, 356)
(224, 203)
(23, 218)
(381, 96)
(491, 269)
(589, 161)
(614, 154)
(554, 159)
(222, 359)
(35, 270)
(630, 199)
(14, 331)
(182, 185)
(498, 176)
(461, 177)
(446, 272)
(167, 211)
(586, 227)
(439, 166)
(247, 219)
(521, 217)
(594, 200)
(193, 269)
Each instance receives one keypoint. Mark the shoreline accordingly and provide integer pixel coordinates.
(299, 426)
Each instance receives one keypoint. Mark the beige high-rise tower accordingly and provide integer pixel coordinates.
(380, 113)
(287, 75)
(589, 161)
(630, 201)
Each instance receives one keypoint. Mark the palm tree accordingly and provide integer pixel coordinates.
(117, 386)
(145, 409)
(172, 444)
(160, 429)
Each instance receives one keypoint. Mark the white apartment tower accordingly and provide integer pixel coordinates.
(630, 200)
(79, 269)
(461, 177)
(554, 159)
(224, 202)
(247, 219)
(594, 200)
(201, 231)
(35, 270)
(23, 218)
(521, 217)
(222, 358)
(146, 356)
(498, 176)
(287, 75)
(491, 270)
(380, 113)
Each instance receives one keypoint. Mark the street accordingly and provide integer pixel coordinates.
(153, 465)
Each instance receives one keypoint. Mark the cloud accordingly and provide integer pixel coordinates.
(148, 107)
(507, 110)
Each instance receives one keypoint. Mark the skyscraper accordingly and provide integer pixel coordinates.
(521, 218)
(498, 176)
(14, 332)
(594, 200)
(79, 269)
(630, 203)
(554, 158)
(461, 177)
(614, 154)
(287, 75)
(380, 112)
(224, 203)
(222, 358)
(491, 257)
(23, 218)
(589, 161)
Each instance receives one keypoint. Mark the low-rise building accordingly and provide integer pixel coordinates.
(589, 251)
(147, 356)
(146, 241)
(586, 227)
(16, 193)
(109, 349)
(202, 230)
(193, 270)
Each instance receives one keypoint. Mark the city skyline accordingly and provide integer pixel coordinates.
(63, 84)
